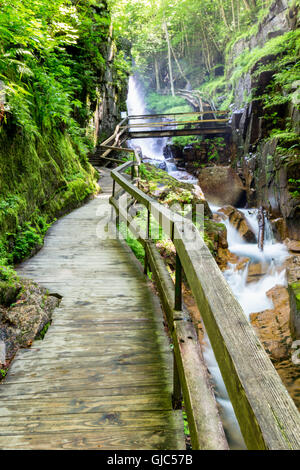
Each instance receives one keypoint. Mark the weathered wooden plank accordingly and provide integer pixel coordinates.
(80, 403)
(109, 373)
(176, 123)
(179, 132)
(98, 380)
(122, 352)
(205, 424)
(196, 113)
(103, 370)
(86, 422)
(163, 281)
(82, 389)
(204, 421)
(145, 439)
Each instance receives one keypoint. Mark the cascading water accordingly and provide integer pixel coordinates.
(252, 298)
(151, 148)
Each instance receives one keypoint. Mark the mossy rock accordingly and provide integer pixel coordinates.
(294, 295)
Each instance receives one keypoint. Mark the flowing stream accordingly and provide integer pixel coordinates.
(251, 295)
(252, 298)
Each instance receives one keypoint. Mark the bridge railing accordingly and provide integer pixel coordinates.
(267, 415)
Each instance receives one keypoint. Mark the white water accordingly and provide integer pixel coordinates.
(151, 148)
(252, 298)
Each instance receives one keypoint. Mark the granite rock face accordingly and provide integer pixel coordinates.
(222, 185)
(26, 316)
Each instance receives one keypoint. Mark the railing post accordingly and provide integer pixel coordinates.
(147, 236)
(178, 284)
(193, 213)
(177, 393)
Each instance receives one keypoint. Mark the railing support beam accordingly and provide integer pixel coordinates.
(178, 284)
(177, 392)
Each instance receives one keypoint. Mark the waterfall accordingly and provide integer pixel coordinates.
(151, 149)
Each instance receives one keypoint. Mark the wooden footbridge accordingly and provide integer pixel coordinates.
(104, 376)
(178, 124)
(205, 123)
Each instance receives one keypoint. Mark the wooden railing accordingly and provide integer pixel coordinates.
(267, 415)
(129, 128)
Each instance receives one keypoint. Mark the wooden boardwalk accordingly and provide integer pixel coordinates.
(102, 376)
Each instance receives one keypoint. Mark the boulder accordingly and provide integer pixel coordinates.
(292, 245)
(256, 271)
(294, 295)
(272, 326)
(293, 278)
(23, 320)
(239, 221)
(279, 228)
(222, 185)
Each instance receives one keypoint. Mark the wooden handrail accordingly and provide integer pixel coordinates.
(172, 123)
(267, 415)
(199, 113)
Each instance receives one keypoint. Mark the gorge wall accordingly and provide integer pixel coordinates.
(266, 128)
(51, 114)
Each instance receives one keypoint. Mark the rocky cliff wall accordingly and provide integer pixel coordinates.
(266, 116)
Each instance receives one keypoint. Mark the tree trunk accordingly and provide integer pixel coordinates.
(233, 15)
(247, 4)
(157, 75)
(169, 58)
(179, 67)
(261, 226)
(223, 13)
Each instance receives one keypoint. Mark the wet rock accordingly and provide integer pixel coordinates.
(2, 354)
(294, 296)
(217, 235)
(279, 228)
(162, 165)
(22, 321)
(172, 151)
(256, 271)
(292, 265)
(272, 326)
(238, 220)
(222, 185)
(292, 245)
(8, 293)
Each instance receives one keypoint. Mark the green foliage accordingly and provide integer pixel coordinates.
(295, 183)
(132, 242)
(166, 104)
(186, 424)
(41, 335)
(286, 45)
(3, 373)
(8, 275)
(184, 140)
(198, 32)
